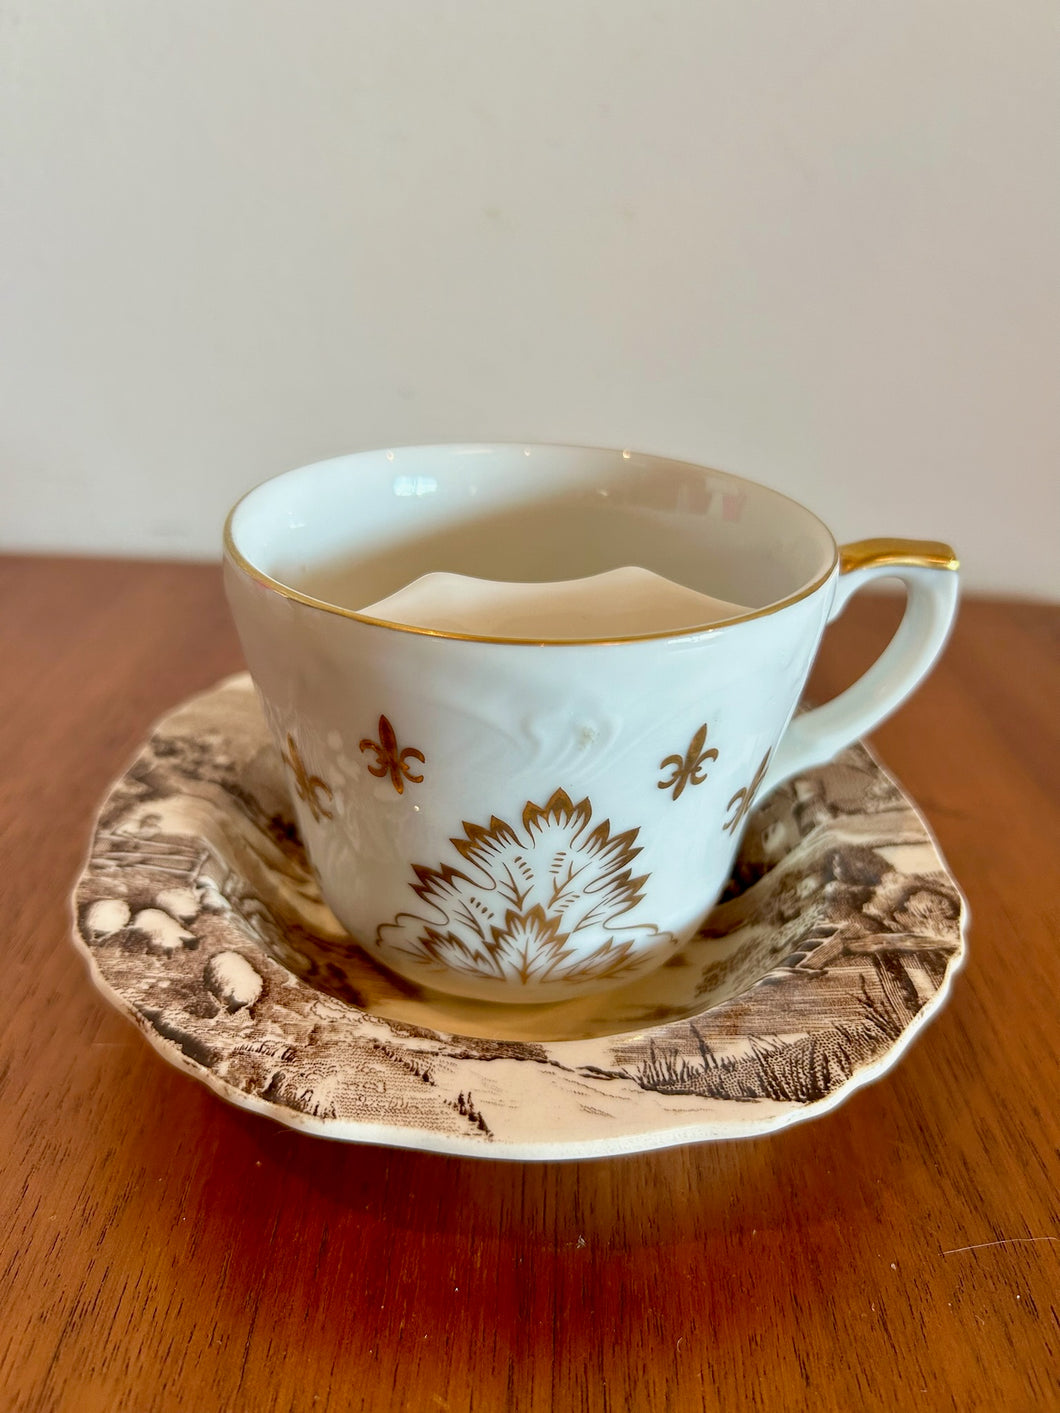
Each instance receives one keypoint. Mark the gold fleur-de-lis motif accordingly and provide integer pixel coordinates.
(310, 788)
(389, 760)
(742, 801)
(688, 770)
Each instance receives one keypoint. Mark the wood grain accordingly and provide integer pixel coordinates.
(164, 1251)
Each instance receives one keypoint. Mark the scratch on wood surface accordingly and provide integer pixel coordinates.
(1005, 1241)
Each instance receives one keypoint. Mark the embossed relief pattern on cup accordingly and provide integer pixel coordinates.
(546, 904)
(561, 739)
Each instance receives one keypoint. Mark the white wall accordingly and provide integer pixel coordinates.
(813, 241)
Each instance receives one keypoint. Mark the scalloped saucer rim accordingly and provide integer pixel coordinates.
(269, 1042)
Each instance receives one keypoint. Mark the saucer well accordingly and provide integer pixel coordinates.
(201, 919)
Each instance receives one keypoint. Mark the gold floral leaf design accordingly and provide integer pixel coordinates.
(742, 801)
(310, 788)
(688, 770)
(389, 760)
(546, 902)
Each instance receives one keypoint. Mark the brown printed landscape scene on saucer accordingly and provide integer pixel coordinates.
(202, 920)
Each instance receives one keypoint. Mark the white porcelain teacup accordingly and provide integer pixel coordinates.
(524, 816)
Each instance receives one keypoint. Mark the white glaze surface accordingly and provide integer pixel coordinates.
(529, 820)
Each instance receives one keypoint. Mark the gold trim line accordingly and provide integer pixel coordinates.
(258, 576)
(245, 567)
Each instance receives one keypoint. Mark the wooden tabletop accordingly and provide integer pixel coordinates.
(162, 1250)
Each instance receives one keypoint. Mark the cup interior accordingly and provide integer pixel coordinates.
(347, 532)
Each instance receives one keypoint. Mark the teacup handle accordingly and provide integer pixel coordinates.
(927, 569)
